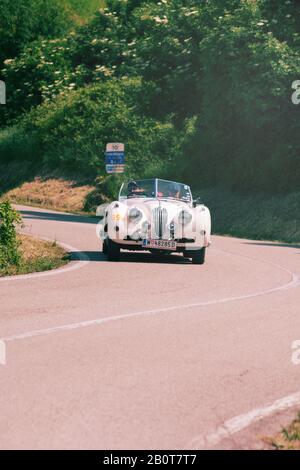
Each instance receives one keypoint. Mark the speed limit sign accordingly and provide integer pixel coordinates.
(114, 147)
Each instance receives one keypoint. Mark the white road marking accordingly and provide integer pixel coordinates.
(72, 266)
(2, 353)
(294, 282)
(230, 426)
(270, 263)
(241, 422)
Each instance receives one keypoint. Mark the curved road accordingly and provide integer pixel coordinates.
(148, 353)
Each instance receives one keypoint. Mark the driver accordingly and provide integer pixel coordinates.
(134, 189)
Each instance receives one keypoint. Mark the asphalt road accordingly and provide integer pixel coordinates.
(152, 353)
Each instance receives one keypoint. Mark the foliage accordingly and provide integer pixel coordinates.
(38, 74)
(72, 132)
(83, 9)
(254, 215)
(17, 144)
(198, 91)
(283, 19)
(9, 249)
(36, 255)
(248, 126)
(26, 20)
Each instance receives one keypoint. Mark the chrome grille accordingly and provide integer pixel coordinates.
(160, 219)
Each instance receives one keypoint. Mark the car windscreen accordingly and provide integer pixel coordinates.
(173, 190)
(138, 188)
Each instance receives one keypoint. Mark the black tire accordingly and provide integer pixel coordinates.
(113, 250)
(104, 247)
(198, 256)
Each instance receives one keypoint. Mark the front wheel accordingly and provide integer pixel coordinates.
(112, 250)
(104, 247)
(198, 257)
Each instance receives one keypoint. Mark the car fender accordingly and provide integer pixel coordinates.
(203, 225)
(116, 220)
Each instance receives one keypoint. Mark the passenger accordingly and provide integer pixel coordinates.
(175, 191)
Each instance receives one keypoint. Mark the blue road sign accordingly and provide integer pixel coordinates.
(114, 158)
(115, 168)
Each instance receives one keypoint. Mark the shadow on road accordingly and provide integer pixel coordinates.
(280, 245)
(35, 215)
(127, 257)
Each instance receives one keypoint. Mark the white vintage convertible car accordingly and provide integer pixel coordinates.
(158, 216)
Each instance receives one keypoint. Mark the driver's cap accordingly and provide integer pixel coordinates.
(132, 185)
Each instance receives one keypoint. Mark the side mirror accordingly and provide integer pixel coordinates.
(197, 202)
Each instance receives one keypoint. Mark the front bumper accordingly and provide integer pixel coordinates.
(182, 245)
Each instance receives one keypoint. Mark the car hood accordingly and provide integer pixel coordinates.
(150, 204)
(155, 202)
(147, 206)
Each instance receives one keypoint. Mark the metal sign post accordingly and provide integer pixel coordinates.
(2, 92)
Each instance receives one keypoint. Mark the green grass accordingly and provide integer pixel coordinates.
(288, 438)
(37, 255)
(256, 216)
(83, 10)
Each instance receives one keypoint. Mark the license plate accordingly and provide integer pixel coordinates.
(160, 244)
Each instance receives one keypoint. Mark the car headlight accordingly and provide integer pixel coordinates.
(184, 217)
(134, 215)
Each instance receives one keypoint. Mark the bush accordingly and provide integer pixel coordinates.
(26, 20)
(199, 91)
(17, 144)
(248, 127)
(70, 133)
(37, 59)
(38, 74)
(73, 130)
(97, 51)
(48, 67)
(9, 247)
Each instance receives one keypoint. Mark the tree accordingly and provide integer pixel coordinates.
(26, 20)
